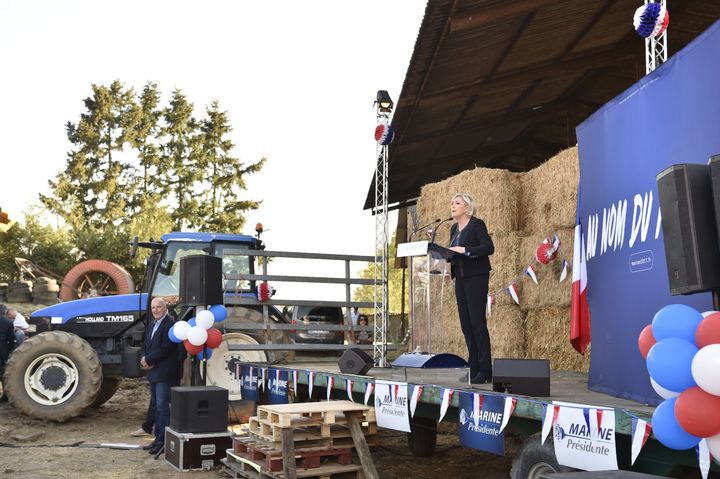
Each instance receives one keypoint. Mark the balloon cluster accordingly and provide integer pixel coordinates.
(198, 332)
(682, 352)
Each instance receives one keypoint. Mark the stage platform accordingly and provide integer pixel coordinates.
(570, 387)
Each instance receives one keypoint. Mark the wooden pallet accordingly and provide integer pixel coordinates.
(271, 459)
(307, 414)
(262, 429)
(239, 467)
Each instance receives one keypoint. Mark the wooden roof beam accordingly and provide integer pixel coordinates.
(484, 15)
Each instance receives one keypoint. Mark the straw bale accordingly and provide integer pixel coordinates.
(496, 193)
(507, 332)
(549, 291)
(547, 337)
(505, 265)
(549, 193)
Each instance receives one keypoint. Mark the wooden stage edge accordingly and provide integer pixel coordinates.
(565, 386)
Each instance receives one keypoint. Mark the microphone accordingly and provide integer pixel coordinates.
(423, 227)
(432, 239)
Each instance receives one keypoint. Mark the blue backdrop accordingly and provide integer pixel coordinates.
(670, 116)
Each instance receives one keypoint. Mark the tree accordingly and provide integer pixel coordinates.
(221, 209)
(395, 279)
(40, 243)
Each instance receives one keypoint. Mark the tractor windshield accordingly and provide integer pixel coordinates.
(167, 282)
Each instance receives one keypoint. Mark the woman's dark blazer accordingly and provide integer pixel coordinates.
(478, 246)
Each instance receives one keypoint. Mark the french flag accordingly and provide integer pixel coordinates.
(579, 310)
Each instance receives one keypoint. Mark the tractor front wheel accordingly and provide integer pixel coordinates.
(54, 376)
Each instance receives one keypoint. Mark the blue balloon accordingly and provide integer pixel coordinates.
(191, 322)
(676, 321)
(669, 363)
(201, 354)
(668, 431)
(171, 335)
(220, 312)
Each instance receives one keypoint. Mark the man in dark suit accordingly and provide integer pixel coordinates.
(160, 359)
(471, 270)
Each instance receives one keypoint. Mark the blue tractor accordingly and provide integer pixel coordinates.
(83, 348)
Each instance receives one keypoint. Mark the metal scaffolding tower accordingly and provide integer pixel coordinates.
(381, 237)
(656, 51)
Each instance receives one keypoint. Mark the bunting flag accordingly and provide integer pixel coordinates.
(599, 414)
(563, 273)
(490, 301)
(311, 382)
(530, 271)
(555, 242)
(251, 374)
(330, 384)
(477, 407)
(640, 434)
(510, 403)
(446, 398)
(703, 452)
(264, 377)
(512, 291)
(417, 392)
(348, 388)
(277, 381)
(368, 391)
(295, 380)
(549, 420)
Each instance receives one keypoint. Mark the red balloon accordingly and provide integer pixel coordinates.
(191, 348)
(708, 331)
(646, 340)
(698, 412)
(214, 338)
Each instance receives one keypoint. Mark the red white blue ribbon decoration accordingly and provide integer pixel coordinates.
(563, 273)
(384, 134)
(446, 398)
(348, 388)
(530, 271)
(330, 384)
(651, 20)
(369, 387)
(512, 291)
(311, 382)
(640, 434)
(703, 452)
(264, 291)
(510, 403)
(417, 392)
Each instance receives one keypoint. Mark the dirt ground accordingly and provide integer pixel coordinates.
(41, 450)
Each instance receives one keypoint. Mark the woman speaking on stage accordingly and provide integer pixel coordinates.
(471, 270)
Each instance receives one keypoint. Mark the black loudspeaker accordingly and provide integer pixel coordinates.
(198, 409)
(689, 229)
(355, 361)
(527, 377)
(201, 280)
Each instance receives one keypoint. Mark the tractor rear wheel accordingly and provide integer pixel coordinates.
(109, 387)
(221, 366)
(54, 376)
(95, 277)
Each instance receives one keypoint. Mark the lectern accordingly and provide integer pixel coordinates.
(428, 269)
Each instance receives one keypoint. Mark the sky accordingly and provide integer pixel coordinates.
(298, 80)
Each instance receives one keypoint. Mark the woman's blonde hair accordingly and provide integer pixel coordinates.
(468, 200)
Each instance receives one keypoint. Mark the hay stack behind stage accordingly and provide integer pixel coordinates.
(520, 210)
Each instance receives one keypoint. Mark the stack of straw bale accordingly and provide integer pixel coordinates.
(520, 210)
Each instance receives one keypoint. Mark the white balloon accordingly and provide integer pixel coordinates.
(197, 335)
(181, 330)
(708, 313)
(205, 319)
(706, 369)
(714, 446)
(662, 392)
